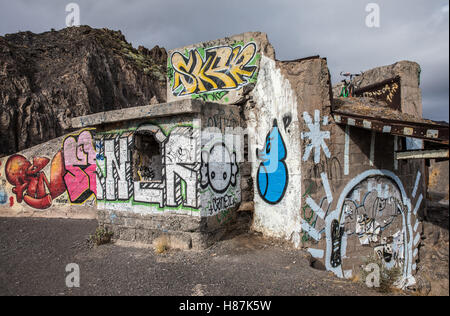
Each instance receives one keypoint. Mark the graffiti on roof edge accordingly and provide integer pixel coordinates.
(218, 68)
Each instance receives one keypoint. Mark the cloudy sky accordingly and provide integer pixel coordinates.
(416, 30)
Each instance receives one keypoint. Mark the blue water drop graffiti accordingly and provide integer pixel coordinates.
(272, 177)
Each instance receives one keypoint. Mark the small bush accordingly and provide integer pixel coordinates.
(161, 244)
(101, 236)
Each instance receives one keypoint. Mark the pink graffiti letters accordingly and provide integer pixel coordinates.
(79, 160)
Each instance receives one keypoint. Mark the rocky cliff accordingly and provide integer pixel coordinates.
(46, 79)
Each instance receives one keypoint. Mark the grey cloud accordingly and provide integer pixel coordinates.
(410, 29)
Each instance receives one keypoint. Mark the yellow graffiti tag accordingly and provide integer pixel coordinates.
(387, 90)
(222, 68)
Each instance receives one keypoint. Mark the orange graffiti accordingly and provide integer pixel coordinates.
(30, 183)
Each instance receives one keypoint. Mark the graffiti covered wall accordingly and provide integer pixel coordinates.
(273, 133)
(51, 178)
(197, 173)
(212, 69)
(155, 167)
(336, 190)
(364, 206)
(216, 71)
(117, 189)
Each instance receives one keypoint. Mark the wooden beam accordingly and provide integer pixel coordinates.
(433, 133)
(422, 154)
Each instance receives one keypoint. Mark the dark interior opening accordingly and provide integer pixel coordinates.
(147, 158)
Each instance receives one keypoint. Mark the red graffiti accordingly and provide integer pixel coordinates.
(11, 201)
(30, 183)
(79, 162)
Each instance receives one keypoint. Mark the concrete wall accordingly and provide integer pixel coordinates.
(179, 142)
(200, 178)
(56, 179)
(222, 70)
(98, 169)
(273, 127)
(358, 201)
(434, 250)
(409, 72)
(333, 189)
(438, 186)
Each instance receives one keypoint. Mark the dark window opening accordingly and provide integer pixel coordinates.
(147, 158)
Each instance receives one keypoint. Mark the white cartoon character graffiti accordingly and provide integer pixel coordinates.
(218, 168)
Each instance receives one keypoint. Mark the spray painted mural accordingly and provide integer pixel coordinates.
(315, 136)
(272, 177)
(210, 73)
(80, 166)
(373, 211)
(30, 183)
(219, 173)
(193, 180)
(178, 186)
(41, 182)
(146, 168)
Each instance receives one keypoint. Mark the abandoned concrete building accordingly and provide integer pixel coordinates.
(244, 135)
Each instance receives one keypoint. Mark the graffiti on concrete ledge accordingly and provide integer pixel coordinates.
(272, 176)
(217, 68)
(30, 184)
(180, 168)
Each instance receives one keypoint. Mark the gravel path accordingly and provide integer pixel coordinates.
(34, 253)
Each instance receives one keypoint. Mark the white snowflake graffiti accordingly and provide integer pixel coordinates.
(316, 136)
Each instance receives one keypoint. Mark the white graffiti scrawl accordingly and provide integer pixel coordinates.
(315, 136)
(374, 208)
(180, 169)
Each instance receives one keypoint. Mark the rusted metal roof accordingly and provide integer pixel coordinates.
(376, 115)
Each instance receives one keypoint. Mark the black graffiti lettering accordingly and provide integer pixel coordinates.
(336, 238)
(221, 203)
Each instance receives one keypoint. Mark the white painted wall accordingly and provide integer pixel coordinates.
(274, 99)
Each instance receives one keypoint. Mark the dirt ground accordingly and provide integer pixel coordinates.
(34, 253)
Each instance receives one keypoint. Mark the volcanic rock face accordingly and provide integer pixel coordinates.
(46, 79)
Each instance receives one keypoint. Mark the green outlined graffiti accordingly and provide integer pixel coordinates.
(177, 190)
(219, 68)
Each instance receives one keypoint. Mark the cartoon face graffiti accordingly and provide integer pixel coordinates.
(272, 177)
(30, 183)
(219, 168)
